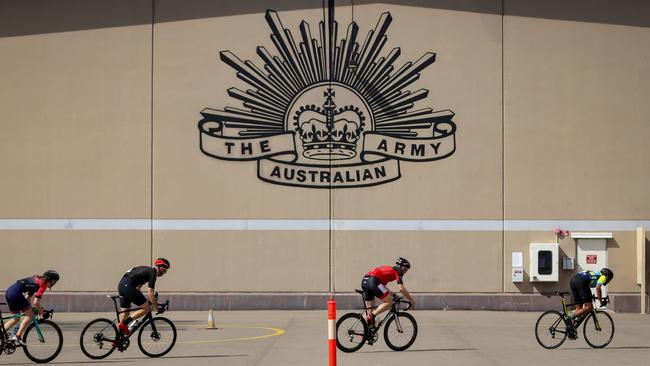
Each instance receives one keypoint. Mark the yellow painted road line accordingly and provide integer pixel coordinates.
(276, 332)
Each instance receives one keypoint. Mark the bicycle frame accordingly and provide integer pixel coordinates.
(148, 316)
(565, 312)
(394, 310)
(19, 316)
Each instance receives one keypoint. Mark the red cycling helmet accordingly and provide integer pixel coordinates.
(162, 262)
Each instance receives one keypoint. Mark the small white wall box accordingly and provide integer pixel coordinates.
(517, 274)
(544, 262)
(517, 267)
(568, 263)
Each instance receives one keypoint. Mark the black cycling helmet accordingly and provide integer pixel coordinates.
(162, 262)
(51, 275)
(607, 273)
(402, 262)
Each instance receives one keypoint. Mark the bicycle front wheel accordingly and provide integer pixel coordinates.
(400, 331)
(157, 337)
(550, 329)
(598, 329)
(43, 341)
(351, 332)
(99, 338)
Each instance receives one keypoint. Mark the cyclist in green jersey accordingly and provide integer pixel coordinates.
(581, 285)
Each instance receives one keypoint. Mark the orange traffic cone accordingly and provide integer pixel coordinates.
(210, 320)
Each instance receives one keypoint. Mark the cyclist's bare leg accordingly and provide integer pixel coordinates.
(124, 313)
(11, 323)
(144, 309)
(24, 322)
(369, 304)
(387, 303)
(583, 309)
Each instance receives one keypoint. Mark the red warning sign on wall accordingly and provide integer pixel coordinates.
(592, 258)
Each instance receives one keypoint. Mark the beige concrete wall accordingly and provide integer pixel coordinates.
(86, 260)
(76, 121)
(575, 115)
(443, 261)
(284, 261)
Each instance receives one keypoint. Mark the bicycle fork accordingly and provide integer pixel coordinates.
(398, 324)
(596, 322)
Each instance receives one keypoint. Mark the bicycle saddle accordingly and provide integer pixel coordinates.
(359, 291)
(113, 296)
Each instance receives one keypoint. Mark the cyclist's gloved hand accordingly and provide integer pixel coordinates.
(603, 302)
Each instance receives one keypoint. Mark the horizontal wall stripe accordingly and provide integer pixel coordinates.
(320, 225)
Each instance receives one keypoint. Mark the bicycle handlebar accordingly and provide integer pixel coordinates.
(47, 314)
(397, 299)
(593, 297)
(604, 301)
(163, 307)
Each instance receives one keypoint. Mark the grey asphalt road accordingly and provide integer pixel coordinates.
(290, 338)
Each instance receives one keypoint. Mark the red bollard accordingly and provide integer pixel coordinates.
(331, 329)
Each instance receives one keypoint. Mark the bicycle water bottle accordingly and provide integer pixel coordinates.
(133, 325)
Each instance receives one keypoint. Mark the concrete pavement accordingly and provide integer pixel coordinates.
(288, 338)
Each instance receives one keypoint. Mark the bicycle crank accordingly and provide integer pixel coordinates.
(372, 337)
(9, 348)
(124, 344)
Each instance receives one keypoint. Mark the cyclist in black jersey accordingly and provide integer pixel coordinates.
(129, 290)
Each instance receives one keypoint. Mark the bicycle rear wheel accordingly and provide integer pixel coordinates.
(400, 331)
(599, 329)
(351, 330)
(157, 337)
(43, 342)
(550, 329)
(99, 338)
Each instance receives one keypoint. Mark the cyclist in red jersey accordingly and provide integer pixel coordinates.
(374, 285)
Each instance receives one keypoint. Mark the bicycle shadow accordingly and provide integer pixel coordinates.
(428, 350)
(64, 362)
(608, 347)
(123, 360)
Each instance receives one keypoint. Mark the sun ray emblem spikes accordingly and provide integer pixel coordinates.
(290, 122)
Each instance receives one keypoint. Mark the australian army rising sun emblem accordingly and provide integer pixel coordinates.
(328, 113)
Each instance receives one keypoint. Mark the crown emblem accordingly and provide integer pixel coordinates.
(328, 133)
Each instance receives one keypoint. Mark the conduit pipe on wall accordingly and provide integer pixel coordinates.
(641, 265)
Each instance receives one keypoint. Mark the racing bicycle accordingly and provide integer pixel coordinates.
(156, 336)
(400, 330)
(43, 338)
(553, 327)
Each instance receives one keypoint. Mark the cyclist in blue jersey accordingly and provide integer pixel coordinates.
(581, 285)
(17, 299)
